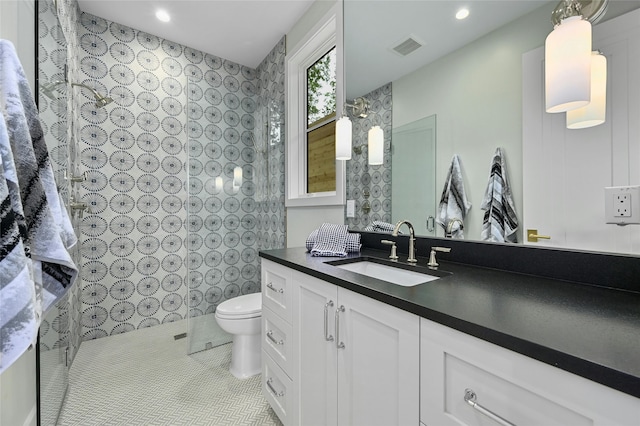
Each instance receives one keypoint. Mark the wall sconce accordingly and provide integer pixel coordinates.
(376, 146)
(568, 55)
(344, 129)
(218, 184)
(595, 112)
(237, 179)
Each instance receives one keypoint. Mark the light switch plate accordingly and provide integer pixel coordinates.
(622, 205)
(351, 208)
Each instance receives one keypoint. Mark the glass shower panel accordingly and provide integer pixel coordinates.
(54, 334)
(414, 146)
(208, 186)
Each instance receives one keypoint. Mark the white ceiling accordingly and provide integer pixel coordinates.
(242, 31)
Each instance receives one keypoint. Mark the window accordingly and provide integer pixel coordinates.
(314, 176)
(321, 124)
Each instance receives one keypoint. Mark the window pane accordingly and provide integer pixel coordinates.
(321, 88)
(321, 159)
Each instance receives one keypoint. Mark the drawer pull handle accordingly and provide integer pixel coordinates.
(270, 336)
(273, 390)
(327, 305)
(470, 398)
(271, 287)
(339, 344)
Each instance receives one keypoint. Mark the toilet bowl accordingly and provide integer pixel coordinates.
(242, 318)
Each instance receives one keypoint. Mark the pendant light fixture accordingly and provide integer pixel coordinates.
(344, 128)
(594, 113)
(376, 146)
(568, 54)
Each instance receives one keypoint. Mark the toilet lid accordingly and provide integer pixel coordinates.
(241, 305)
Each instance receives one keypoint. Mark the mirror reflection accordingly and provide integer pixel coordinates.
(469, 75)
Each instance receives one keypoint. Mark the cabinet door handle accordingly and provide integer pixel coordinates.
(470, 398)
(273, 390)
(277, 290)
(327, 305)
(270, 336)
(339, 344)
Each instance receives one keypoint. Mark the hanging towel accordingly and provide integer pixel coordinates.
(330, 241)
(453, 202)
(353, 241)
(500, 221)
(32, 216)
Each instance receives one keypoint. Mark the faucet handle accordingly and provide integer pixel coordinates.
(393, 255)
(432, 256)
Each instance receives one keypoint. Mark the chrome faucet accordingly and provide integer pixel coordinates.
(449, 231)
(412, 239)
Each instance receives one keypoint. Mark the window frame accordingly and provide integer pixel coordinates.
(325, 35)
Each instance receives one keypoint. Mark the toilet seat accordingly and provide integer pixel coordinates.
(241, 307)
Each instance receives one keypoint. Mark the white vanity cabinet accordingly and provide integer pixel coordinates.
(357, 358)
(277, 343)
(348, 359)
(516, 388)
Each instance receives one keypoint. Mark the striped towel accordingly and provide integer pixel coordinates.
(500, 221)
(353, 241)
(330, 241)
(453, 202)
(32, 217)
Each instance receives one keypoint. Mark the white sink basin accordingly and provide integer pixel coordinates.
(387, 273)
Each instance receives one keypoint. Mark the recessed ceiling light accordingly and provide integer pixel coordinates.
(462, 13)
(163, 16)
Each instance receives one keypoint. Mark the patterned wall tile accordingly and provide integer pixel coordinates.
(163, 240)
(367, 184)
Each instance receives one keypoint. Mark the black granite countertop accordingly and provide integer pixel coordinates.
(590, 331)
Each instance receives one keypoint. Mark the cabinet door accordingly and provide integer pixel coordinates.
(378, 380)
(315, 304)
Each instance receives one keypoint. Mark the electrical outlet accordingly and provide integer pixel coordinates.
(622, 205)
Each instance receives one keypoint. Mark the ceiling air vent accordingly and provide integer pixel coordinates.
(407, 46)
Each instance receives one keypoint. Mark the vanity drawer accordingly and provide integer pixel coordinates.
(277, 389)
(276, 339)
(276, 289)
(516, 388)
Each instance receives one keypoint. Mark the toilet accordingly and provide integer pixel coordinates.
(242, 318)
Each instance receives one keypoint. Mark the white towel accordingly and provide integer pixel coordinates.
(453, 202)
(330, 241)
(500, 220)
(32, 218)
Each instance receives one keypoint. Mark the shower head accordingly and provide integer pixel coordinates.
(100, 100)
(48, 89)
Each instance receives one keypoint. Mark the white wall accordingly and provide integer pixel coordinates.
(18, 382)
(302, 220)
(476, 94)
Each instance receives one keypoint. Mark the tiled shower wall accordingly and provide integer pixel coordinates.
(175, 109)
(371, 185)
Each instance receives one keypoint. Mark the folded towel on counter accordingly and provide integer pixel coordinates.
(353, 241)
(453, 202)
(500, 220)
(379, 226)
(32, 217)
(331, 240)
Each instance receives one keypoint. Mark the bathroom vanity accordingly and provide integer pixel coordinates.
(474, 346)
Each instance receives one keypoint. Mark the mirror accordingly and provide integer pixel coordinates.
(467, 73)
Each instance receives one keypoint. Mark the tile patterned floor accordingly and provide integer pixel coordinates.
(146, 378)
